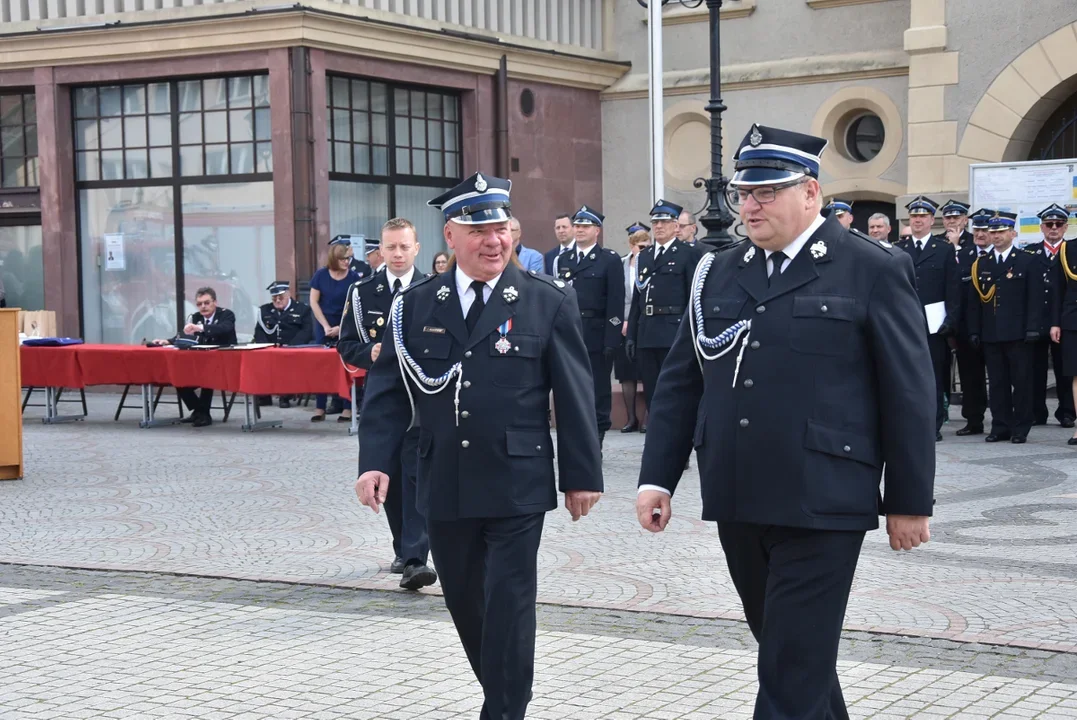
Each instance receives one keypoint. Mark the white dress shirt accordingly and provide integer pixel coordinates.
(631, 265)
(1000, 257)
(404, 279)
(921, 241)
(790, 251)
(467, 295)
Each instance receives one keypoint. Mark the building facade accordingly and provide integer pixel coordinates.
(151, 147)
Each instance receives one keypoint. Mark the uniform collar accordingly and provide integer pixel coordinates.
(581, 251)
(658, 245)
(404, 279)
(1005, 254)
(922, 240)
(463, 282)
(801, 240)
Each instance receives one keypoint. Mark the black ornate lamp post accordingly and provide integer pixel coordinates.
(718, 218)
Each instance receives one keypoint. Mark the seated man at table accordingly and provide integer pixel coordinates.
(211, 325)
(283, 321)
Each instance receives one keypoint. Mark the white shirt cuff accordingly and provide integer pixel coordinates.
(653, 487)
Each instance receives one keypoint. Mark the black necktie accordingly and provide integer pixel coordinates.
(475, 310)
(778, 259)
(916, 249)
(658, 256)
(396, 286)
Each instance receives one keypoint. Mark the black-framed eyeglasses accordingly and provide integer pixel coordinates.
(762, 195)
(1054, 223)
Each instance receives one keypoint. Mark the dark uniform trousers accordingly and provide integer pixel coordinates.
(406, 523)
(486, 467)
(657, 309)
(794, 584)
(597, 276)
(937, 280)
(1003, 324)
(1045, 349)
(832, 391)
(220, 330)
(970, 360)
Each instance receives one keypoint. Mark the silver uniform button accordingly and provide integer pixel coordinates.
(467, 354)
(755, 345)
(538, 447)
(467, 383)
(744, 422)
(847, 449)
(465, 414)
(464, 444)
(748, 383)
(761, 309)
(824, 308)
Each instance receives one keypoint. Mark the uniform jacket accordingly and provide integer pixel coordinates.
(361, 268)
(937, 278)
(498, 461)
(293, 326)
(834, 388)
(1047, 264)
(549, 256)
(657, 308)
(966, 256)
(221, 329)
(1064, 288)
(368, 302)
(598, 279)
(1017, 305)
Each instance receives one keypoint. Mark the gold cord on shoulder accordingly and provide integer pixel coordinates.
(984, 297)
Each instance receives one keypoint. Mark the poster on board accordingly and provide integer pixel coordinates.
(1026, 188)
(114, 252)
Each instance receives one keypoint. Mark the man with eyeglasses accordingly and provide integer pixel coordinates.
(663, 285)
(1054, 221)
(938, 285)
(800, 374)
(210, 325)
(687, 228)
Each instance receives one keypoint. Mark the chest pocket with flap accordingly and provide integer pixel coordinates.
(823, 324)
(520, 365)
(720, 312)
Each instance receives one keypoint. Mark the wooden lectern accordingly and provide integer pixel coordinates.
(10, 405)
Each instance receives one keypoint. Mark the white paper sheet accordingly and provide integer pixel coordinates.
(936, 313)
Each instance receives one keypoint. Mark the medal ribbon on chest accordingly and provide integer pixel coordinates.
(503, 345)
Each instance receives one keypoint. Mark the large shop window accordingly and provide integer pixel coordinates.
(175, 193)
(390, 150)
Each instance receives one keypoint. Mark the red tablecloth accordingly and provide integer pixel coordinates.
(51, 366)
(268, 371)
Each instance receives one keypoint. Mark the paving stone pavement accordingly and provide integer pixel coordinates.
(985, 616)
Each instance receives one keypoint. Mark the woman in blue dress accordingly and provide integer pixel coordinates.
(328, 293)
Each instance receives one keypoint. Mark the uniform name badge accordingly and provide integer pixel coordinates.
(503, 345)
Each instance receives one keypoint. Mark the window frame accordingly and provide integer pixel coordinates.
(176, 180)
(22, 93)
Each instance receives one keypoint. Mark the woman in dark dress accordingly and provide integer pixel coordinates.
(328, 293)
(625, 370)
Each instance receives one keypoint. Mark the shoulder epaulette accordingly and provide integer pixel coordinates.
(554, 282)
(417, 281)
(884, 245)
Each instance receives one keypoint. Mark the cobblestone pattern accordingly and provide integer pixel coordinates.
(113, 645)
(278, 505)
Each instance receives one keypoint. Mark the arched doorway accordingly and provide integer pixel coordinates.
(1057, 139)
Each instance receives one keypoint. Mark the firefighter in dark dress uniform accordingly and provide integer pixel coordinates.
(955, 219)
(970, 359)
(283, 321)
(937, 282)
(597, 276)
(1064, 314)
(1006, 316)
(362, 332)
(1054, 221)
(801, 376)
(474, 355)
(663, 284)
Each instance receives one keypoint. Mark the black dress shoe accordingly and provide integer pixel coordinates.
(398, 566)
(202, 421)
(970, 430)
(1067, 423)
(938, 436)
(418, 576)
(996, 437)
(630, 427)
(284, 403)
(1072, 441)
(188, 420)
(1018, 439)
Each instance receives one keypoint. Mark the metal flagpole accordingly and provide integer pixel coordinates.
(654, 26)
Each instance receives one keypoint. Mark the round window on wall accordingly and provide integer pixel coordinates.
(527, 103)
(864, 137)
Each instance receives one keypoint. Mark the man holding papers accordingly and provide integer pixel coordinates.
(1006, 316)
(937, 285)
